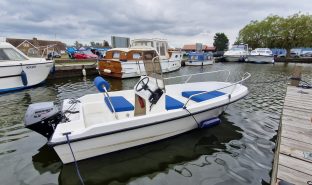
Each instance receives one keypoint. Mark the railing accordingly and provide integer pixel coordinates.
(197, 74)
(244, 78)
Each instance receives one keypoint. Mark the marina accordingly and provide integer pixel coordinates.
(155, 92)
(237, 150)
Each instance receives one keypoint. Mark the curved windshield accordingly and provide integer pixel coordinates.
(143, 43)
(236, 49)
(11, 54)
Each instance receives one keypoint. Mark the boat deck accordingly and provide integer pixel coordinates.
(293, 160)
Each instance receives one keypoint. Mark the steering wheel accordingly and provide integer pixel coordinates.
(144, 81)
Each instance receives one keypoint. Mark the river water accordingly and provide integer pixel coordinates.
(237, 151)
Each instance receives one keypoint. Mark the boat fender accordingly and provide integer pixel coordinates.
(84, 72)
(24, 78)
(52, 71)
(100, 83)
(209, 123)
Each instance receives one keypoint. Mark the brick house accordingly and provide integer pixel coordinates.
(37, 47)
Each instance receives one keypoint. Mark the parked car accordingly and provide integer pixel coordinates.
(84, 54)
(54, 54)
(306, 54)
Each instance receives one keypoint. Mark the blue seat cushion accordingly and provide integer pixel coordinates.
(202, 97)
(120, 104)
(172, 103)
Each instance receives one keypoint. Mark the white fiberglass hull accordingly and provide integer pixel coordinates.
(234, 58)
(199, 63)
(126, 139)
(135, 69)
(261, 59)
(36, 71)
(94, 131)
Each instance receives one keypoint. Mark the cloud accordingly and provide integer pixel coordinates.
(179, 21)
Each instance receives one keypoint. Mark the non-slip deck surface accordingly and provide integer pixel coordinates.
(295, 154)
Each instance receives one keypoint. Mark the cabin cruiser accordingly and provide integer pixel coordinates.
(237, 53)
(105, 122)
(199, 59)
(17, 71)
(261, 56)
(127, 62)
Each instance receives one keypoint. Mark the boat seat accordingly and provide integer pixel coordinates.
(172, 103)
(202, 97)
(119, 103)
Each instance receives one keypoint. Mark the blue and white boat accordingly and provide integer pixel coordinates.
(199, 59)
(17, 71)
(105, 122)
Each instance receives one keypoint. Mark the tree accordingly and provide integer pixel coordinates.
(105, 43)
(78, 45)
(221, 42)
(278, 32)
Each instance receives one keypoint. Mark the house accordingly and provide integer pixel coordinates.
(35, 47)
(192, 48)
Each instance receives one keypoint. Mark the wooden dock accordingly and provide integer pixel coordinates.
(293, 155)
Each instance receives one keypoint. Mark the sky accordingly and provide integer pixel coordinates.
(179, 21)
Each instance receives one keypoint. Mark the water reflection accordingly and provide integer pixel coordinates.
(143, 160)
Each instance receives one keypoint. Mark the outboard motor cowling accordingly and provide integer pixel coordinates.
(43, 118)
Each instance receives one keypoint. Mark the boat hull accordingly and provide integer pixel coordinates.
(260, 59)
(131, 69)
(103, 144)
(234, 58)
(199, 63)
(11, 76)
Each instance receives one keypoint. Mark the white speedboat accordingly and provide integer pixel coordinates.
(199, 59)
(261, 56)
(127, 62)
(17, 71)
(237, 53)
(105, 122)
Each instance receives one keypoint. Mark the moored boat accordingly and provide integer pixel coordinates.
(17, 71)
(237, 53)
(105, 122)
(261, 56)
(127, 62)
(199, 59)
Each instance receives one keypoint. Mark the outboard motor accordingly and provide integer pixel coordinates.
(43, 118)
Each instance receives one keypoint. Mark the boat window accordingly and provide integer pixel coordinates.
(116, 55)
(10, 54)
(136, 55)
(143, 43)
(162, 49)
(176, 56)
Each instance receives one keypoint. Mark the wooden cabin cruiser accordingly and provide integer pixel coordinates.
(17, 71)
(199, 59)
(237, 53)
(261, 56)
(105, 122)
(127, 62)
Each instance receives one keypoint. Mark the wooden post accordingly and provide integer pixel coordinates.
(296, 76)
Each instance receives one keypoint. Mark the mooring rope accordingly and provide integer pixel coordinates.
(76, 164)
(198, 125)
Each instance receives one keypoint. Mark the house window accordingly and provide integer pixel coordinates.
(26, 45)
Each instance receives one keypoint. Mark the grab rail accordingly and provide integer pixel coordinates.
(191, 75)
(244, 78)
